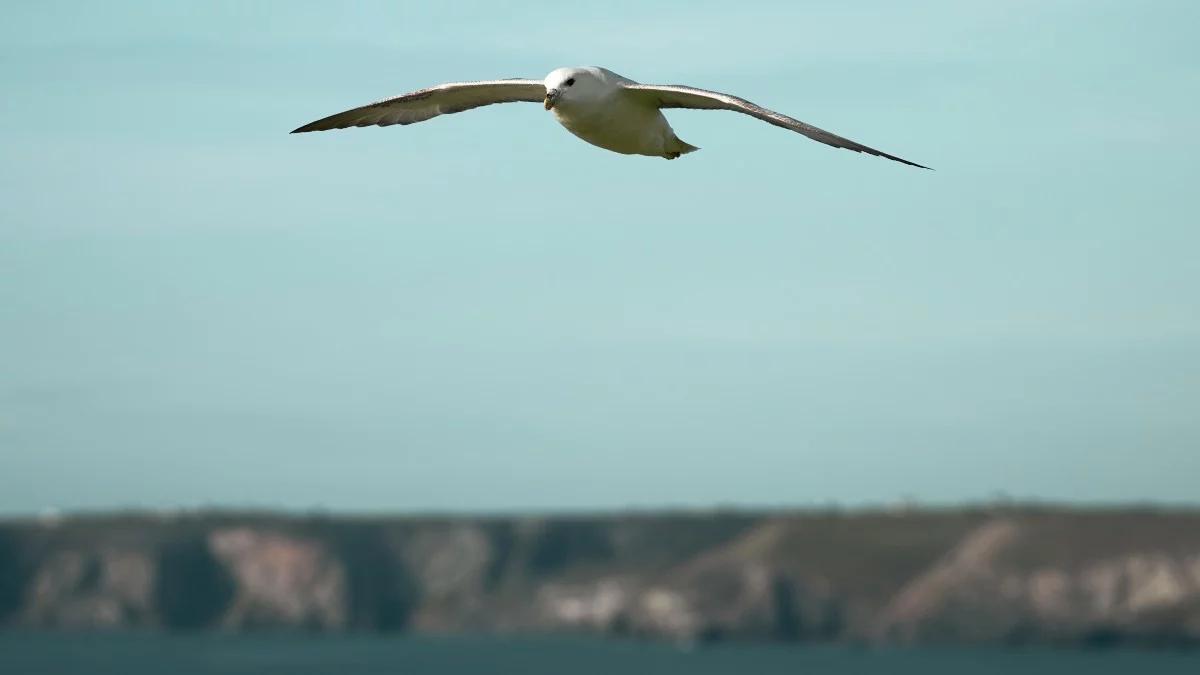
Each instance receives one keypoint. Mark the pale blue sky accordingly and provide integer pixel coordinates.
(482, 312)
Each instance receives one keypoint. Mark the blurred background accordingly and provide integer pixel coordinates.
(476, 376)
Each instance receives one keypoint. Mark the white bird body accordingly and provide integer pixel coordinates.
(595, 104)
(601, 111)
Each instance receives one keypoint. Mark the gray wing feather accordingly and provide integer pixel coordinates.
(676, 96)
(424, 104)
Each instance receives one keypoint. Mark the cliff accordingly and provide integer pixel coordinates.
(1014, 575)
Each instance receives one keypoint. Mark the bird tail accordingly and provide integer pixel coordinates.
(683, 148)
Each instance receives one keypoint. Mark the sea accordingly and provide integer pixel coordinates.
(298, 654)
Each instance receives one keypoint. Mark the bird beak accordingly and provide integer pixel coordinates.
(551, 97)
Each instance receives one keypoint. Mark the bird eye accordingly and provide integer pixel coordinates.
(570, 81)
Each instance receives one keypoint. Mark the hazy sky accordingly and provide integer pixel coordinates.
(484, 312)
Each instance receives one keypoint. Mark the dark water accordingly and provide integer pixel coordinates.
(53, 654)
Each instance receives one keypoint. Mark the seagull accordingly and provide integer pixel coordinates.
(596, 104)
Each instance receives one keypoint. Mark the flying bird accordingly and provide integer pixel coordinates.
(596, 104)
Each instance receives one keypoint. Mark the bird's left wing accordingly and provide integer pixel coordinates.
(676, 96)
(442, 99)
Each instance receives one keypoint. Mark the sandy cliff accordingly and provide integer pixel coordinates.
(979, 576)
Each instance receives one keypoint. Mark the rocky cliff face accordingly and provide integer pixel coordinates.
(1010, 576)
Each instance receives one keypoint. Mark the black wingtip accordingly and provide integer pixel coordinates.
(319, 125)
(905, 161)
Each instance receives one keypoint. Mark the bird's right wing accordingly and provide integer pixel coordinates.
(677, 96)
(443, 99)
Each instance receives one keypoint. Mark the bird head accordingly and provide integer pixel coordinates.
(568, 85)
